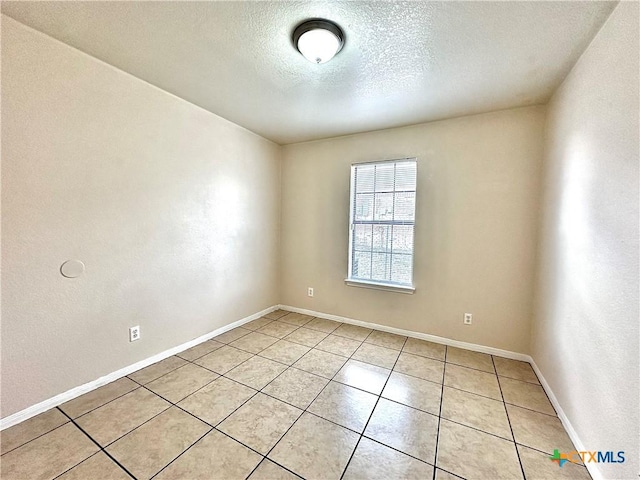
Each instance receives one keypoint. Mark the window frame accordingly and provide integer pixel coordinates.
(374, 284)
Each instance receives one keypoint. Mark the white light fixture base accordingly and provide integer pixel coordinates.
(318, 40)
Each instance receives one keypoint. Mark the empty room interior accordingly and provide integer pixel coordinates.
(320, 240)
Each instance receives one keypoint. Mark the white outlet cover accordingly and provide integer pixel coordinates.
(134, 333)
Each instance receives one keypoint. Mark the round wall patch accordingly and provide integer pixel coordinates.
(72, 268)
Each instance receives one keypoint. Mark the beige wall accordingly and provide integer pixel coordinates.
(477, 204)
(585, 335)
(174, 211)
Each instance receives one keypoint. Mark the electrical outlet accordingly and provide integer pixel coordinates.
(467, 318)
(310, 292)
(134, 333)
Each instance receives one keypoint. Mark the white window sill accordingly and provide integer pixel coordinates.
(379, 286)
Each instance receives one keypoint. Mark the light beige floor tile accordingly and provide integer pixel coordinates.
(363, 376)
(306, 337)
(98, 397)
(98, 466)
(515, 369)
(214, 457)
(421, 367)
(296, 387)
(148, 449)
(476, 411)
(344, 405)
(476, 455)
(182, 382)
(257, 372)
(285, 352)
(321, 363)
(539, 431)
(473, 381)
(315, 448)
(376, 355)
(414, 392)
(527, 395)
(116, 418)
(223, 359)
(297, 319)
(323, 325)
(26, 431)
(260, 422)
(278, 329)
(255, 342)
(537, 466)
(425, 349)
(339, 345)
(217, 400)
(276, 314)
(200, 350)
(353, 332)
(257, 324)
(156, 370)
(373, 461)
(232, 335)
(267, 470)
(387, 340)
(406, 429)
(47, 456)
(467, 358)
(442, 475)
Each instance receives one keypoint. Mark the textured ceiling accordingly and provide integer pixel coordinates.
(403, 62)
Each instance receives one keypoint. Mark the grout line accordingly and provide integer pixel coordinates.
(213, 427)
(200, 356)
(472, 393)
(305, 410)
(546, 453)
(185, 411)
(188, 448)
(35, 438)
(364, 429)
(543, 390)
(199, 419)
(524, 476)
(105, 403)
(395, 449)
(165, 373)
(146, 421)
(73, 420)
(104, 450)
(264, 457)
(78, 464)
(444, 371)
(475, 428)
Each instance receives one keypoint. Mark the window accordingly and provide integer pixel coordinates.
(383, 199)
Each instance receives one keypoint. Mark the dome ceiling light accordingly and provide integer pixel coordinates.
(318, 40)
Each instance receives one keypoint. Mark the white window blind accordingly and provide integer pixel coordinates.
(383, 199)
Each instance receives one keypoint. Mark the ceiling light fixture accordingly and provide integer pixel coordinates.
(318, 40)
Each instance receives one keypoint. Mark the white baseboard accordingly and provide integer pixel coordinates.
(591, 467)
(409, 333)
(41, 407)
(573, 435)
(45, 405)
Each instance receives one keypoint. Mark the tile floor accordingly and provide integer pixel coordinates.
(289, 396)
